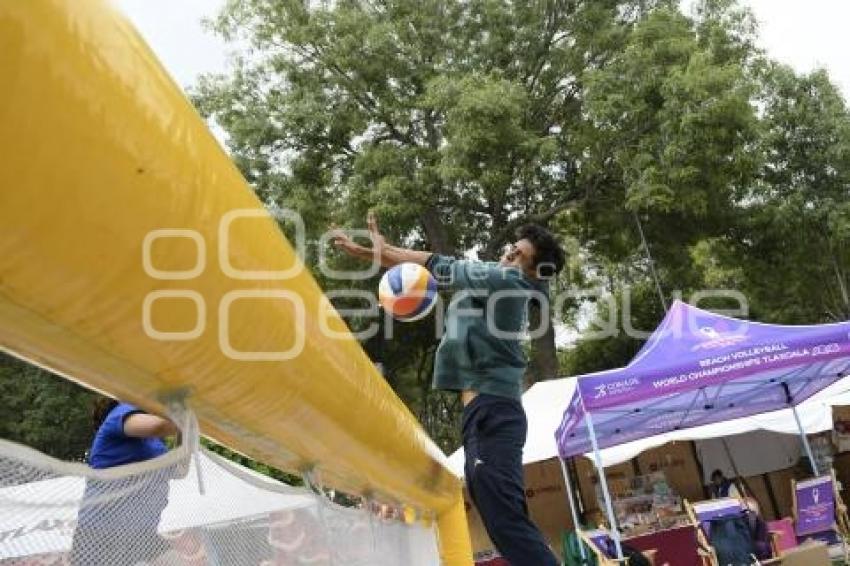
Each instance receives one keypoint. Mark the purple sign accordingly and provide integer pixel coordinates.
(706, 370)
(815, 506)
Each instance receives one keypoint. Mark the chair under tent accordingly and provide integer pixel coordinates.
(599, 542)
(725, 534)
(601, 545)
(819, 513)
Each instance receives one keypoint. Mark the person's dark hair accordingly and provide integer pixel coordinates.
(549, 256)
(716, 474)
(100, 408)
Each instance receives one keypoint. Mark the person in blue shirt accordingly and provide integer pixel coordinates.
(118, 518)
(126, 435)
(480, 356)
(721, 486)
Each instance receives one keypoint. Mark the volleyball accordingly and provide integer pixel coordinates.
(408, 292)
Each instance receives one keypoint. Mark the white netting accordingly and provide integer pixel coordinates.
(158, 512)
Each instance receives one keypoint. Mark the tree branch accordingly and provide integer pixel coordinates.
(541, 218)
(552, 21)
(364, 100)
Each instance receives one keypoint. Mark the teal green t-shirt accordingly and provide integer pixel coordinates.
(485, 323)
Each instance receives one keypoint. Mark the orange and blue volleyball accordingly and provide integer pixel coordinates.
(408, 292)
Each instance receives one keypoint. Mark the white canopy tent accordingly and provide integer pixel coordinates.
(546, 401)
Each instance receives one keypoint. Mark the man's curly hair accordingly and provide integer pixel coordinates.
(549, 256)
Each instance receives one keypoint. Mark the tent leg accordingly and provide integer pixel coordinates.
(805, 442)
(615, 533)
(576, 523)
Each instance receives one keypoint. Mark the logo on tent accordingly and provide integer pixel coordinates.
(713, 338)
(619, 387)
(600, 391)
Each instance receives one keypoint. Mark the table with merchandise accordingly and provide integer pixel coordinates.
(651, 518)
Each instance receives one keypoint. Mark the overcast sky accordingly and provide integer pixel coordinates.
(802, 33)
(807, 34)
(173, 30)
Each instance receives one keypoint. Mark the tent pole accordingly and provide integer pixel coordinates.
(805, 441)
(612, 520)
(734, 466)
(576, 523)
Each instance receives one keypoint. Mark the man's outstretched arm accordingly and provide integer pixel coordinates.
(381, 252)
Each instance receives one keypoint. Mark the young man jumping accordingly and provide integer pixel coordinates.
(481, 357)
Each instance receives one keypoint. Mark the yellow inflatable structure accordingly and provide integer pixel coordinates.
(134, 259)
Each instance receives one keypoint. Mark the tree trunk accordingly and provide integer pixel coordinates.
(436, 232)
(842, 286)
(543, 361)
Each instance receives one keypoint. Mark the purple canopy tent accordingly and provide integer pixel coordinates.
(698, 368)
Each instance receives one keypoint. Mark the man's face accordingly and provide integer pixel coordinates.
(520, 254)
(717, 479)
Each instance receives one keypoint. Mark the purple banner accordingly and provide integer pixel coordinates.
(637, 384)
(815, 506)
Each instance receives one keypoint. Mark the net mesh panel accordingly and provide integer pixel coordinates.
(165, 512)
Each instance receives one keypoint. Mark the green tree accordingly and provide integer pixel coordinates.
(674, 128)
(789, 248)
(671, 152)
(453, 120)
(250, 463)
(671, 135)
(44, 411)
(763, 208)
(53, 415)
(605, 344)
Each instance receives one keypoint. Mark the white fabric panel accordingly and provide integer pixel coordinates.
(754, 453)
(546, 401)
